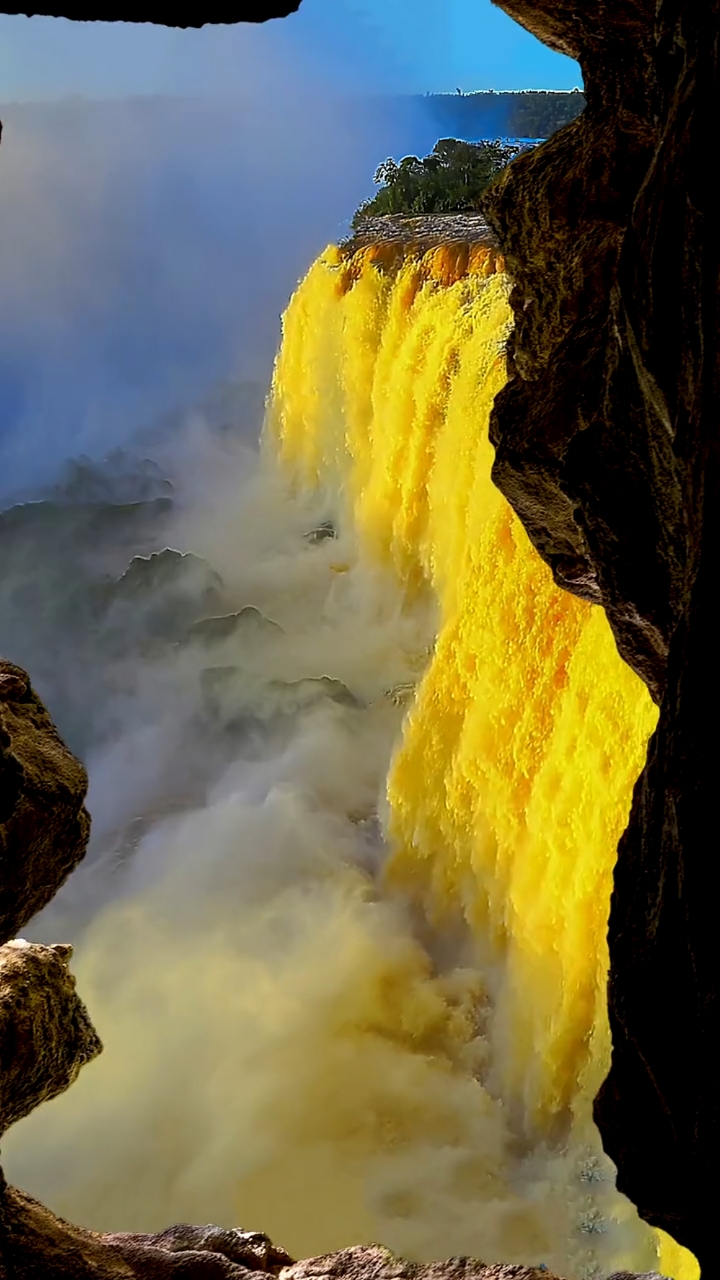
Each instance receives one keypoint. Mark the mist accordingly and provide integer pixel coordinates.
(285, 1048)
(150, 245)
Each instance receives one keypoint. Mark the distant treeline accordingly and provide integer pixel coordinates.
(533, 113)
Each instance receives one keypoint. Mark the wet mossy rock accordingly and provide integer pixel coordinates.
(606, 439)
(44, 826)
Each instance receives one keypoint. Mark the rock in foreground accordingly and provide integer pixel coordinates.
(35, 1245)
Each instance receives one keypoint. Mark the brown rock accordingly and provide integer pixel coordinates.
(246, 1250)
(573, 453)
(373, 1262)
(44, 826)
(45, 1033)
(606, 443)
(37, 1245)
(424, 232)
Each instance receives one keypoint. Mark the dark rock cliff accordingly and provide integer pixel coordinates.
(606, 443)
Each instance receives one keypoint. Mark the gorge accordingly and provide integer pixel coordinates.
(604, 438)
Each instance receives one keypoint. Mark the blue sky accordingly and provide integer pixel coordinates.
(379, 45)
(149, 245)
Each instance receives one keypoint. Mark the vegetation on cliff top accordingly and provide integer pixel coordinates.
(449, 180)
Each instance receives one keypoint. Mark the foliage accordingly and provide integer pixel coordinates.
(451, 179)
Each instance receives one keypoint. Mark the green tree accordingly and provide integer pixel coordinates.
(451, 179)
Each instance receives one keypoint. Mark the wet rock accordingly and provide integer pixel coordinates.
(401, 694)
(230, 695)
(44, 826)
(159, 596)
(118, 478)
(45, 1033)
(606, 439)
(296, 695)
(249, 622)
(60, 528)
(321, 533)
(425, 232)
(164, 571)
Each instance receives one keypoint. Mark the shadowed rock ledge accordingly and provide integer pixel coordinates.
(45, 1033)
(606, 441)
(44, 826)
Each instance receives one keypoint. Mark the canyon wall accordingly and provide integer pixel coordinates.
(606, 443)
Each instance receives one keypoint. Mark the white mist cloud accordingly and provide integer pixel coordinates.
(147, 248)
(280, 1050)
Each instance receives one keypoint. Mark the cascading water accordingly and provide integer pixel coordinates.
(513, 779)
(351, 983)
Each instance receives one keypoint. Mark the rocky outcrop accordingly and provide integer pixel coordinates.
(44, 826)
(372, 1262)
(606, 443)
(423, 232)
(573, 447)
(37, 1245)
(45, 1033)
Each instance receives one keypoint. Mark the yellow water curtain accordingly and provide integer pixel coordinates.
(513, 779)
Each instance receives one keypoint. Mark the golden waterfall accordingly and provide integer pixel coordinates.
(512, 781)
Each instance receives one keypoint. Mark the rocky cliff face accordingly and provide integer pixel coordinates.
(607, 447)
